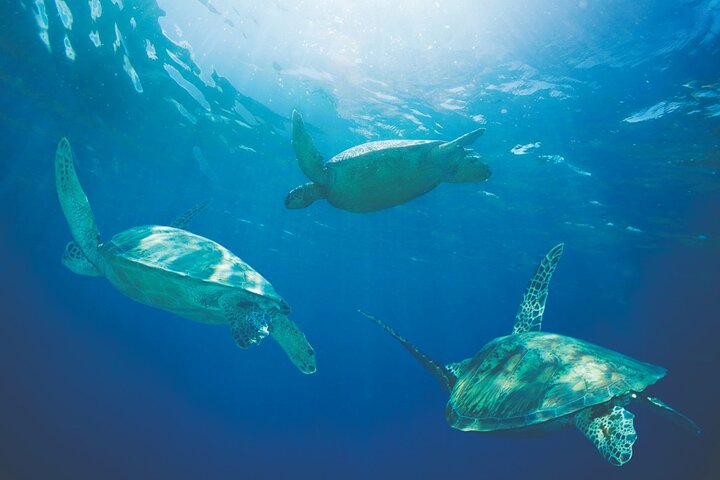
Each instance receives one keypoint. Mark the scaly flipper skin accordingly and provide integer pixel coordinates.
(612, 432)
(310, 160)
(293, 341)
(530, 313)
(445, 376)
(249, 324)
(75, 260)
(184, 220)
(75, 204)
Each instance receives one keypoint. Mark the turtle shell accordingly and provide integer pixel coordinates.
(148, 255)
(523, 380)
(378, 175)
(384, 148)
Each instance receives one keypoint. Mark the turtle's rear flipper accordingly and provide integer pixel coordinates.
(77, 262)
(671, 414)
(249, 324)
(464, 140)
(304, 195)
(611, 431)
(293, 341)
(183, 220)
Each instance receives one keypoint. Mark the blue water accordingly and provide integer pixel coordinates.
(603, 132)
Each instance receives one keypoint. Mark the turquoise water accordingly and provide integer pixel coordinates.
(602, 132)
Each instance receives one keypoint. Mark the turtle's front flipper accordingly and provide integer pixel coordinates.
(611, 431)
(249, 324)
(75, 260)
(532, 308)
(672, 414)
(293, 341)
(75, 204)
(310, 160)
(304, 195)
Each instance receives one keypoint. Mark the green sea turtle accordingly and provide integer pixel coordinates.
(177, 271)
(534, 381)
(378, 175)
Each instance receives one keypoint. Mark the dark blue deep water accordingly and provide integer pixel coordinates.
(603, 132)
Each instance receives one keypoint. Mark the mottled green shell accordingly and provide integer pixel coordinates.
(180, 256)
(522, 380)
(385, 149)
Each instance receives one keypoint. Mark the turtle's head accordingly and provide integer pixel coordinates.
(470, 169)
(304, 195)
(76, 261)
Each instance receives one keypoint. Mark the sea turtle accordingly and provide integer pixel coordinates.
(378, 175)
(534, 381)
(172, 269)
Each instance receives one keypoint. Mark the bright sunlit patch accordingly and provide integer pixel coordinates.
(308, 72)
(65, 14)
(523, 149)
(42, 21)
(224, 268)
(95, 38)
(453, 104)
(118, 39)
(69, 51)
(177, 60)
(183, 111)
(95, 9)
(150, 50)
(658, 110)
(127, 66)
(560, 160)
(191, 89)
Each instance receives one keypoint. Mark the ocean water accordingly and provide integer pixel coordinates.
(602, 131)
